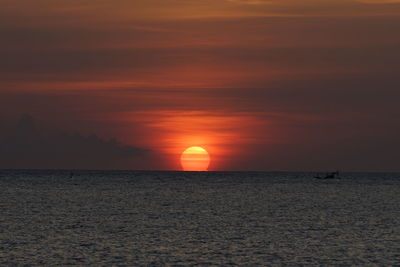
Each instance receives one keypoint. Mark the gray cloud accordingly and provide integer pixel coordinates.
(296, 45)
(28, 147)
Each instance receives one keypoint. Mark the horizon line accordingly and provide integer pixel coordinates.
(181, 171)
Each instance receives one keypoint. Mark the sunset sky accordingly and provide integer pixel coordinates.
(260, 84)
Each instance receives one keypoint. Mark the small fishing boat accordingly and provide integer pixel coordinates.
(332, 175)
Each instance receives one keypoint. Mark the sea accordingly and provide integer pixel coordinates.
(144, 218)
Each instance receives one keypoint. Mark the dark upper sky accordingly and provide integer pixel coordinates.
(261, 84)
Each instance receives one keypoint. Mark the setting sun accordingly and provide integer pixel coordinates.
(195, 159)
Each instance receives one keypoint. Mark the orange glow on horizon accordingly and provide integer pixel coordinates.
(195, 159)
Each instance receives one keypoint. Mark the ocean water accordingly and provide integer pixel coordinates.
(203, 219)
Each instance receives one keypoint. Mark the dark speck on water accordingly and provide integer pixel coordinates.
(103, 218)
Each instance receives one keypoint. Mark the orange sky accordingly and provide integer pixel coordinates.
(261, 84)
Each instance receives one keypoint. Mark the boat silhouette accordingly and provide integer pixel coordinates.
(331, 175)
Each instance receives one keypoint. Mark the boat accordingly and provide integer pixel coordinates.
(331, 175)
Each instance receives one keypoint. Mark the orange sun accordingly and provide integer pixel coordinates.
(195, 158)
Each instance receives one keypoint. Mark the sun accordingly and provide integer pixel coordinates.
(195, 158)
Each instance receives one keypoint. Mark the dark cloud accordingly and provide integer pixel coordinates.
(281, 44)
(29, 147)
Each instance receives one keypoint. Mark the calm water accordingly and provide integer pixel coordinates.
(167, 218)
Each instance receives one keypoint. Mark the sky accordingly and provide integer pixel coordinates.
(292, 85)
